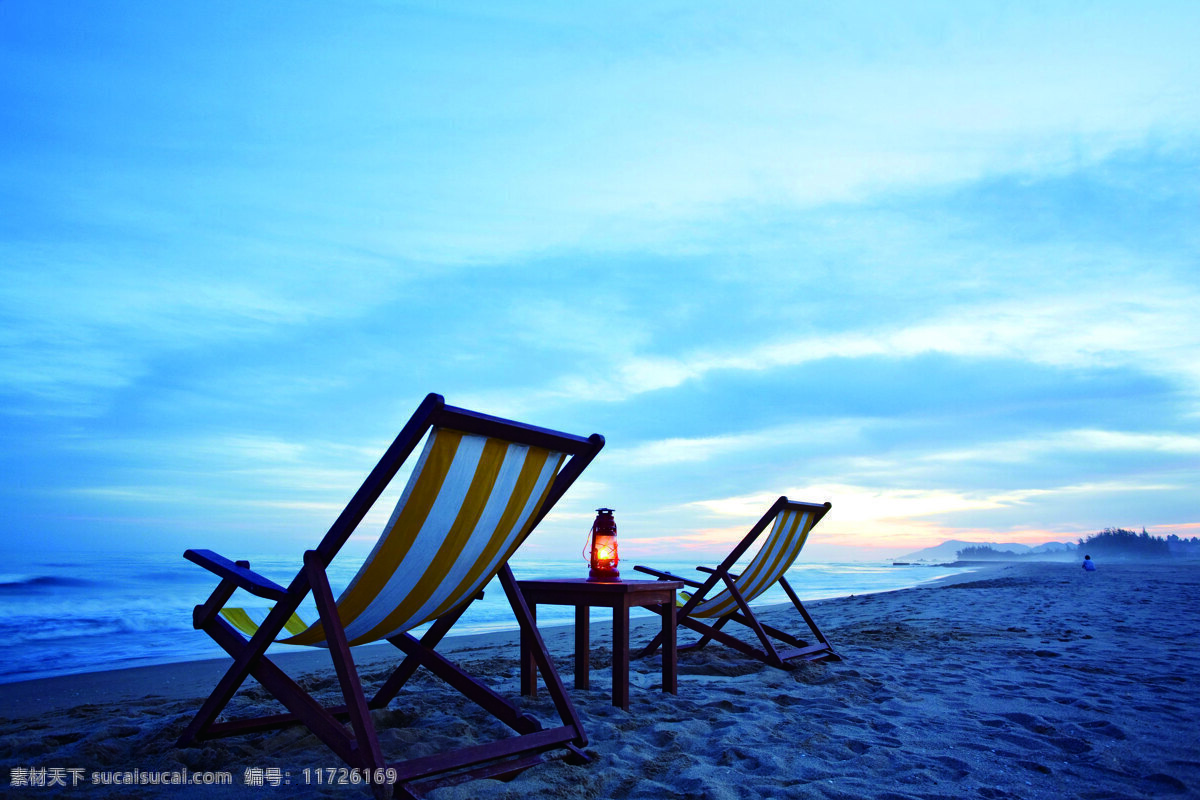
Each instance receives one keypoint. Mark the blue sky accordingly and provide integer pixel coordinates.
(938, 266)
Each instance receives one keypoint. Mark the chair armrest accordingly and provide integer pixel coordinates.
(666, 576)
(252, 582)
(712, 571)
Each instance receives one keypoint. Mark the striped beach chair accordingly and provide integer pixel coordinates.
(725, 596)
(478, 488)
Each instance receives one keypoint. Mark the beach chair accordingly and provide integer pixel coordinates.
(726, 596)
(479, 487)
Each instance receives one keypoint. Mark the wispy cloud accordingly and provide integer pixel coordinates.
(1073, 442)
(665, 452)
(1148, 331)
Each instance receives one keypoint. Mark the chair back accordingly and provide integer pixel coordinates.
(477, 490)
(789, 532)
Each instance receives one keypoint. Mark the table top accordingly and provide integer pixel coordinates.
(584, 586)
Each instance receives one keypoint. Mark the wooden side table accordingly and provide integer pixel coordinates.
(620, 596)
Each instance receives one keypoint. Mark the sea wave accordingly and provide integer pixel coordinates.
(17, 583)
(59, 628)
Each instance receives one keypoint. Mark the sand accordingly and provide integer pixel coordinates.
(1025, 681)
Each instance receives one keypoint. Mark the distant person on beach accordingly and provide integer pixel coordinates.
(1088, 564)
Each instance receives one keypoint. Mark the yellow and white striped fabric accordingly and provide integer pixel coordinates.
(468, 505)
(778, 552)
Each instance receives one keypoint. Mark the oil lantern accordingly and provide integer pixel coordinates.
(602, 548)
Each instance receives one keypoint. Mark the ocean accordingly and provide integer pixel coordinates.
(61, 616)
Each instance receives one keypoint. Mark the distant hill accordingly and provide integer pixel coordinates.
(946, 551)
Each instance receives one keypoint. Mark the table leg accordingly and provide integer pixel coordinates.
(583, 644)
(670, 660)
(528, 665)
(620, 667)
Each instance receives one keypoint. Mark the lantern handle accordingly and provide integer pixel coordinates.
(587, 544)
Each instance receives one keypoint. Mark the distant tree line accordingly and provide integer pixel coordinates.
(1181, 546)
(1120, 542)
(1108, 543)
(983, 552)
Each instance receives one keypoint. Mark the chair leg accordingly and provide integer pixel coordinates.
(541, 656)
(651, 648)
(214, 704)
(707, 636)
(812, 625)
(720, 636)
(802, 649)
(245, 653)
(343, 664)
(658, 640)
(306, 710)
(421, 654)
(506, 755)
(774, 633)
(471, 688)
(395, 682)
(772, 655)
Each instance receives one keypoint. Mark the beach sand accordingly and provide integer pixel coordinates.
(1022, 681)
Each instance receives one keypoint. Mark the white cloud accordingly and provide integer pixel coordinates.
(1152, 331)
(861, 505)
(811, 432)
(1070, 442)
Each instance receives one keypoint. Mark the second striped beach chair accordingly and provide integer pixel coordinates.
(480, 485)
(726, 596)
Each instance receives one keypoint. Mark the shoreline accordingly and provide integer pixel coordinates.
(1029, 680)
(111, 629)
(36, 695)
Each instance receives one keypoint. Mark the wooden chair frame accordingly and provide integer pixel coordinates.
(776, 647)
(359, 747)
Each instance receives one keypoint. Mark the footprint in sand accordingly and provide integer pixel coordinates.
(1163, 783)
(1029, 722)
(1034, 766)
(1069, 744)
(1105, 728)
(956, 768)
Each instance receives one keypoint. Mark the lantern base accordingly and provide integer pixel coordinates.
(603, 575)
